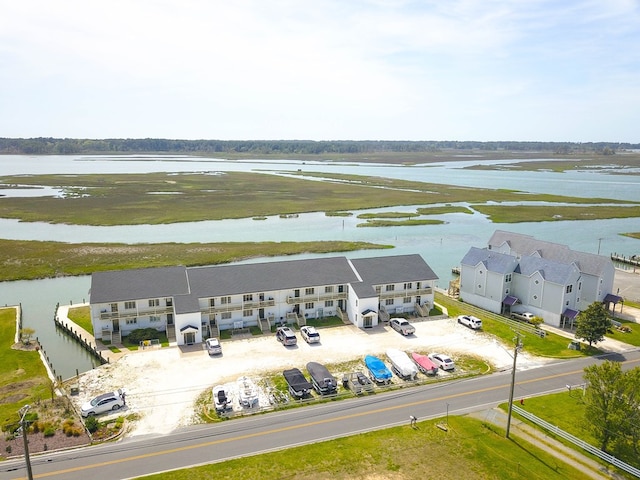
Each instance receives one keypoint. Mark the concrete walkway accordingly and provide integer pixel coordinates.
(111, 356)
(540, 439)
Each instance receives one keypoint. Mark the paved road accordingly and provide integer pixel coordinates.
(278, 430)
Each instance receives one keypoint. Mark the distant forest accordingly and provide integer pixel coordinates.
(66, 146)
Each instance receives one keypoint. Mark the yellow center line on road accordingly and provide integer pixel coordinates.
(295, 427)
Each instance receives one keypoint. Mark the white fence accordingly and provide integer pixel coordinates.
(576, 441)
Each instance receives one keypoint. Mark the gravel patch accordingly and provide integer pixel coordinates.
(162, 385)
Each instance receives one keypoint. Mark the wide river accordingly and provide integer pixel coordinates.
(442, 246)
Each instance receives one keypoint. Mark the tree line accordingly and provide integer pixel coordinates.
(68, 146)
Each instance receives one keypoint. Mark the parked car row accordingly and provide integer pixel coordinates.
(288, 337)
(406, 367)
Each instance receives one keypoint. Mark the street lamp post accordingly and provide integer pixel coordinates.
(513, 381)
(23, 423)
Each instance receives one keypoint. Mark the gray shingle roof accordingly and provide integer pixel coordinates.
(493, 261)
(268, 276)
(123, 285)
(551, 271)
(520, 244)
(393, 269)
(186, 285)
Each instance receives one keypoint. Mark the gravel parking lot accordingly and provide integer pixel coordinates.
(162, 385)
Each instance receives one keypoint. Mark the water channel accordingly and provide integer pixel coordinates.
(442, 246)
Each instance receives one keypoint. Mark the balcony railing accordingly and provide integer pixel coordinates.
(405, 293)
(132, 313)
(234, 307)
(316, 297)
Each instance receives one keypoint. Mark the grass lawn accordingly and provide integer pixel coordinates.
(81, 316)
(23, 378)
(470, 447)
(551, 346)
(566, 411)
(632, 337)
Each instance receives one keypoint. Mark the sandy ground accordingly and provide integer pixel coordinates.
(162, 385)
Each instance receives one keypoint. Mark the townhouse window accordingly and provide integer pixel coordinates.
(418, 285)
(212, 302)
(132, 321)
(328, 303)
(308, 306)
(247, 297)
(569, 288)
(535, 297)
(537, 282)
(340, 288)
(309, 291)
(328, 289)
(114, 307)
(168, 302)
(225, 300)
(129, 305)
(406, 300)
(225, 315)
(388, 301)
(154, 302)
(390, 288)
(579, 285)
(408, 286)
(507, 277)
(247, 313)
(154, 318)
(378, 289)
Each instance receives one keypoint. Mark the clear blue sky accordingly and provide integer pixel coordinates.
(558, 70)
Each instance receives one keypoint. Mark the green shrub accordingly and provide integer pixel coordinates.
(92, 424)
(50, 431)
(139, 334)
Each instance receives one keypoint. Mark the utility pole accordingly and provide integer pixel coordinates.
(513, 380)
(23, 423)
(599, 241)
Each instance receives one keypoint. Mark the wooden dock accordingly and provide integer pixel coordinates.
(632, 260)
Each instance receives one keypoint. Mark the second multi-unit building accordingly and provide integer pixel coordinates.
(517, 272)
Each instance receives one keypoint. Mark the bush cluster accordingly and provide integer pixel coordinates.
(139, 334)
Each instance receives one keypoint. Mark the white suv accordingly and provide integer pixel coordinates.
(470, 321)
(310, 334)
(104, 403)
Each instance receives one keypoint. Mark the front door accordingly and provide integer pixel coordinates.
(189, 338)
(116, 324)
(367, 321)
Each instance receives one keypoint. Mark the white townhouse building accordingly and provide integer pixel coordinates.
(518, 273)
(191, 304)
